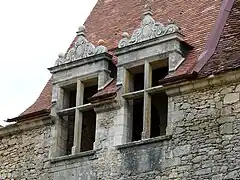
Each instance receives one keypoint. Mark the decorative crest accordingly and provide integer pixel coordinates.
(60, 59)
(149, 29)
(81, 48)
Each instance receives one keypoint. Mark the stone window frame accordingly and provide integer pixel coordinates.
(79, 108)
(146, 93)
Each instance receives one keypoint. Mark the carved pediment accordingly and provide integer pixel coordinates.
(149, 29)
(80, 49)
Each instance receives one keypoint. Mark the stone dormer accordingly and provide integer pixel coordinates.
(77, 76)
(150, 54)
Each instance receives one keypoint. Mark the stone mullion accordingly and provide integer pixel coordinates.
(128, 82)
(78, 119)
(147, 101)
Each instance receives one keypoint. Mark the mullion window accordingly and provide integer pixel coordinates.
(147, 98)
(78, 117)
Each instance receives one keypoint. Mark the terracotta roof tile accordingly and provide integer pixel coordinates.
(108, 91)
(110, 18)
(43, 101)
(227, 53)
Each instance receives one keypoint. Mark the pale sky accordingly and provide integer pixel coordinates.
(32, 34)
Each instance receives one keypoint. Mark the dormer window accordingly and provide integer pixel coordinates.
(78, 116)
(147, 109)
(151, 53)
(77, 76)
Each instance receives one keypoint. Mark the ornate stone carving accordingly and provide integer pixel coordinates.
(60, 59)
(149, 29)
(80, 49)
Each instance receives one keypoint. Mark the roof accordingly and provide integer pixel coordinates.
(227, 54)
(195, 18)
(43, 102)
(109, 91)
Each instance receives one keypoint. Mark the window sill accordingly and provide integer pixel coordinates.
(69, 157)
(143, 142)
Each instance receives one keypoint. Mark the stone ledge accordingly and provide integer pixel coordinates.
(25, 125)
(143, 142)
(69, 157)
(210, 81)
(80, 62)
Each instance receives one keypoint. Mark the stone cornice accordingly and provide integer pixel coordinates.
(25, 125)
(191, 85)
(151, 42)
(77, 63)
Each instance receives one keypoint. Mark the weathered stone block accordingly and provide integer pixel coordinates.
(217, 177)
(237, 88)
(231, 98)
(226, 128)
(181, 150)
(203, 171)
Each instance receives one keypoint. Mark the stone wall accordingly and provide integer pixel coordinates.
(25, 155)
(204, 144)
(206, 133)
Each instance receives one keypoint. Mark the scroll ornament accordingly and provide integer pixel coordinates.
(149, 29)
(80, 49)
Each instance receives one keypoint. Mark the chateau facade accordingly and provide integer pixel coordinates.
(146, 90)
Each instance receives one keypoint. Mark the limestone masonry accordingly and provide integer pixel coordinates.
(152, 108)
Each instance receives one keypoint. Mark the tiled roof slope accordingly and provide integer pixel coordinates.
(110, 18)
(43, 101)
(227, 53)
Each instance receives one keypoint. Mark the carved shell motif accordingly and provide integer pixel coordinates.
(149, 29)
(81, 49)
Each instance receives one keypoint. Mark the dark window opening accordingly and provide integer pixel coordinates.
(88, 130)
(113, 69)
(136, 78)
(72, 98)
(70, 133)
(70, 94)
(137, 125)
(159, 111)
(89, 92)
(158, 74)
(138, 81)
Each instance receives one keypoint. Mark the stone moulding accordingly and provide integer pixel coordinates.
(81, 48)
(143, 142)
(149, 29)
(25, 126)
(75, 156)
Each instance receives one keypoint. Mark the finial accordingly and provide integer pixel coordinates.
(81, 31)
(171, 21)
(61, 55)
(101, 42)
(148, 10)
(125, 35)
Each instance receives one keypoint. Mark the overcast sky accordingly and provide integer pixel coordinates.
(32, 34)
